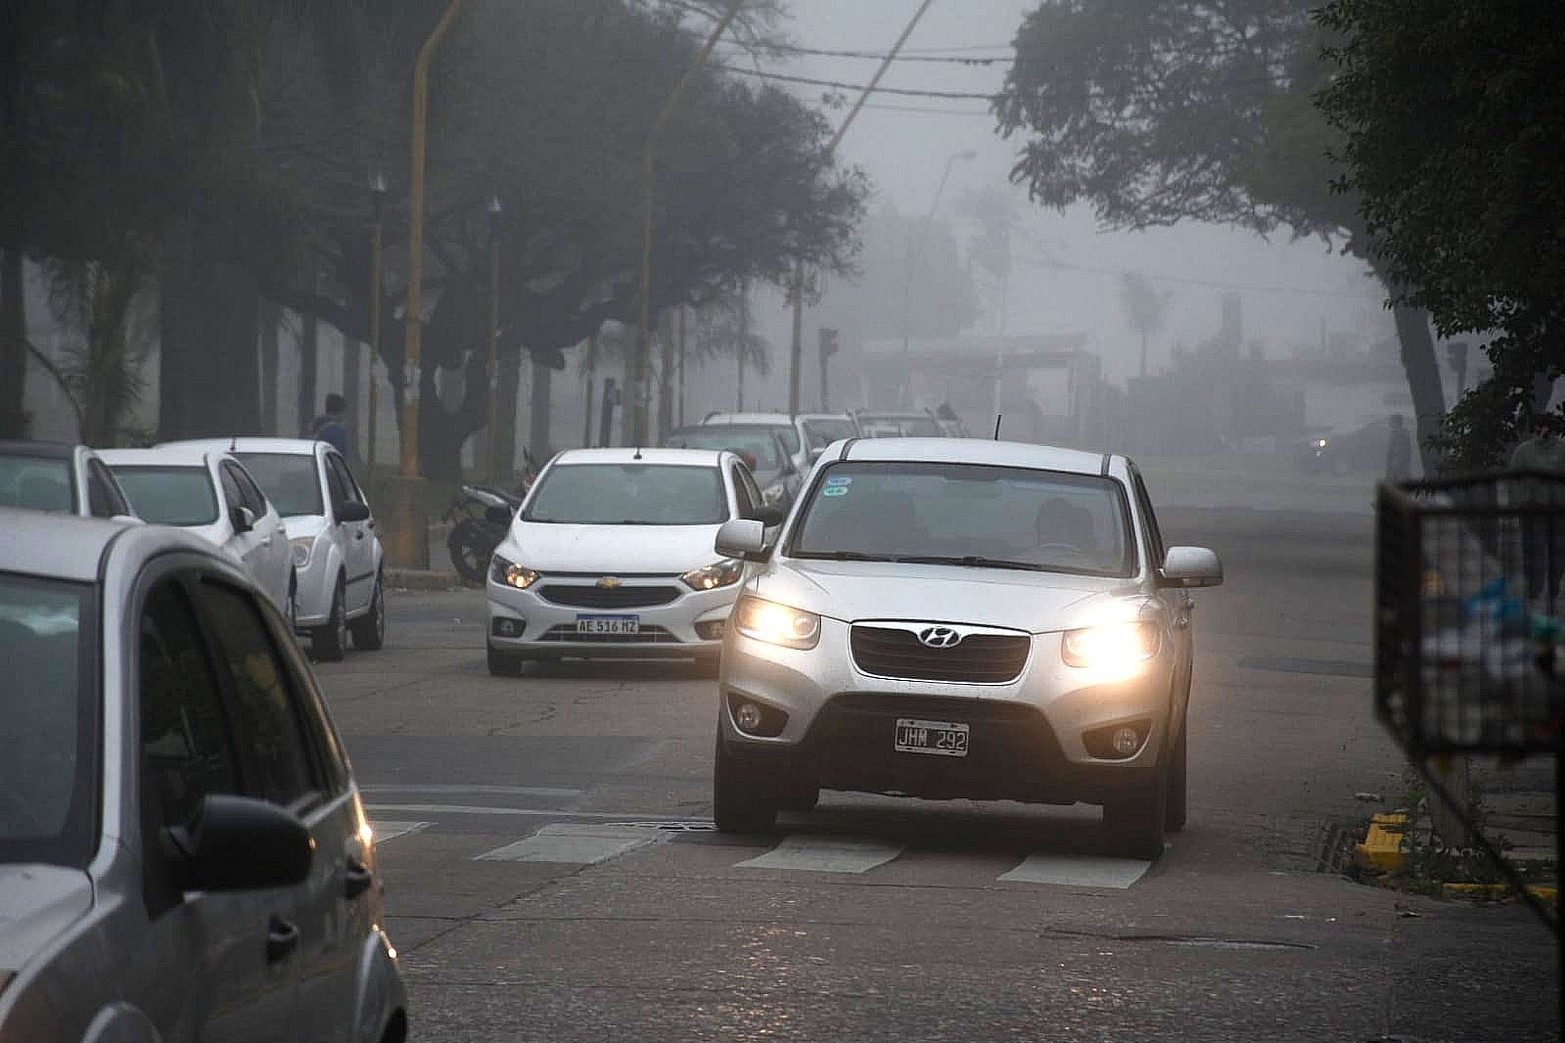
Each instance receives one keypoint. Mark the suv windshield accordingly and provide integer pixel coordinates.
(37, 483)
(629, 494)
(289, 480)
(170, 495)
(48, 724)
(967, 514)
(752, 443)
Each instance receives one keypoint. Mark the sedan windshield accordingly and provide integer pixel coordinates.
(37, 483)
(753, 443)
(629, 494)
(170, 495)
(968, 515)
(289, 480)
(47, 722)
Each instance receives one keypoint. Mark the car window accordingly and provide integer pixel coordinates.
(36, 483)
(265, 717)
(103, 500)
(337, 485)
(1156, 550)
(232, 495)
(186, 750)
(48, 721)
(748, 484)
(741, 493)
(290, 481)
(253, 497)
(349, 482)
(176, 495)
(752, 443)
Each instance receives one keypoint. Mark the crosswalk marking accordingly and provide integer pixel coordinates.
(385, 830)
(575, 843)
(824, 855)
(1078, 871)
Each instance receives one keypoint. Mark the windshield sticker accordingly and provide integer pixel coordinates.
(840, 479)
(835, 490)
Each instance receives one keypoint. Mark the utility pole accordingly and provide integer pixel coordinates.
(744, 337)
(377, 278)
(797, 283)
(492, 450)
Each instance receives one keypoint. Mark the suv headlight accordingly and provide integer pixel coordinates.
(303, 550)
(718, 574)
(1114, 644)
(777, 624)
(509, 573)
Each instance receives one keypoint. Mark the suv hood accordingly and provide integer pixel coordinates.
(662, 549)
(1034, 601)
(37, 902)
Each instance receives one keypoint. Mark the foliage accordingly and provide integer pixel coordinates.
(1450, 113)
(1145, 306)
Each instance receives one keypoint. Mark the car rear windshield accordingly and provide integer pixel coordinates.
(967, 514)
(906, 426)
(756, 444)
(170, 495)
(629, 494)
(37, 483)
(48, 722)
(826, 430)
(289, 480)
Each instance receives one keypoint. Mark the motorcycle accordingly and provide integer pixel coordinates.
(479, 519)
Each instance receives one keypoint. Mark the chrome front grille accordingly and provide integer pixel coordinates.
(979, 658)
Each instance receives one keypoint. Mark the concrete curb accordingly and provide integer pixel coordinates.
(421, 579)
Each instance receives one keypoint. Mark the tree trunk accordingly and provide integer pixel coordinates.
(666, 376)
(271, 316)
(1423, 379)
(209, 380)
(13, 345)
(309, 359)
(510, 405)
(538, 428)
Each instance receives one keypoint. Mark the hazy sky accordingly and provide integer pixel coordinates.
(904, 152)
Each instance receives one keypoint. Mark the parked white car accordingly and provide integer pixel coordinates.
(337, 553)
(184, 854)
(212, 495)
(793, 430)
(611, 555)
(55, 476)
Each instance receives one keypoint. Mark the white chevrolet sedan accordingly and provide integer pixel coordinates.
(611, 555)
(955, 618)
(337, 554)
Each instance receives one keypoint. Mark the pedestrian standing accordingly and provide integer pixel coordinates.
(1543, 533)
(329, 426)
(1399, 450)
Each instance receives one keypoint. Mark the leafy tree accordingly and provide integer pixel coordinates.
(1161, 111)
(1451, 114)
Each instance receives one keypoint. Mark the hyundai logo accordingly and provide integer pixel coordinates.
(939, 637)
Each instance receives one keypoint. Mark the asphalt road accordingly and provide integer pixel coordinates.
(552, 873)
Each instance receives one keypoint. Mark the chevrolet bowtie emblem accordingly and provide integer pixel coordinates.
(609, 582)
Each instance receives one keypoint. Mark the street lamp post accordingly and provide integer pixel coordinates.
(966, 156)
(377, 279)
(492, 453)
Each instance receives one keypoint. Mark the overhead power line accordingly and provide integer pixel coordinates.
(821, 52)
(904, 92)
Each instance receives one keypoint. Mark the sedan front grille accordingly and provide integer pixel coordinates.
(577, 595)
(976, 659)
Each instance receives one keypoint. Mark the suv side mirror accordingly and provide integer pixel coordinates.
(742, 538)
(1190, 567)
(241, 518)
(768, 516)
(352, 511)
(241, 844)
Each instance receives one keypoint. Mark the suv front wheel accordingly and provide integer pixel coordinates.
(740, 804)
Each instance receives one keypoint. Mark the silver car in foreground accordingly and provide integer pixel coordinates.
(183, 851)
(954, 618)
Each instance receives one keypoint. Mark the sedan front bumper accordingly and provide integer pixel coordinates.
(534, 622)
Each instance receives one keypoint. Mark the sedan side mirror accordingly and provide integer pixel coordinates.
(1190, 567)
(768, 516)
(742, 538)
(241, 518)
(241, 844)
(352, 511)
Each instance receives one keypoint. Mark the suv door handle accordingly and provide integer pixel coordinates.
(282, 938)
(356, 879)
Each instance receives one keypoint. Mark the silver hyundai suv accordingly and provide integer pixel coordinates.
(954, 618)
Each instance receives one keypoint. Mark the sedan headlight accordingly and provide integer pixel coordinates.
(1114, 644)
(777, 624)
(510, 574)
(722, 573)
(303, 549)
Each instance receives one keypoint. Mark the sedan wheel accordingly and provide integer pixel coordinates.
(503, 663)
(369, 630)
(328, 641)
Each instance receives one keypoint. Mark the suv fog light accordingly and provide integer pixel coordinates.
(1126, 741)
(1117, 742)
(748, 716)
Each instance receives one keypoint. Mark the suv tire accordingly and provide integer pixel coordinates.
(739, 803)
(1136, 821)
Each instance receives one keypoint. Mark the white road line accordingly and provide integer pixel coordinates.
(810, 854)
(575, 843)
(1078, 871)
(508, 791)
(388, 830)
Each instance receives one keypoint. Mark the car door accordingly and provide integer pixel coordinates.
(217, 974)
(246, 547)
(104, 497)
(276, 552)
(1179, 603)
(357, 536)
(293, 766)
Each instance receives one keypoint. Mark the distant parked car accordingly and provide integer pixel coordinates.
(759, 446)
(337, 554)
(822, 429)
(792, 429)
(54, 476)
(916, 423)
(184, 854)
(212, 495)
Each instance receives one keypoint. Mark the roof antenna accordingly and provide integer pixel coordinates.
(638, 454)
(233, 443)
(997, 418)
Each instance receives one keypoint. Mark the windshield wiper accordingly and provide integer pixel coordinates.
(842, 555)
(970, 561)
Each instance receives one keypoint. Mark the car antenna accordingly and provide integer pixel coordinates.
(233, 443)
(997, 418)
(638, 454)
